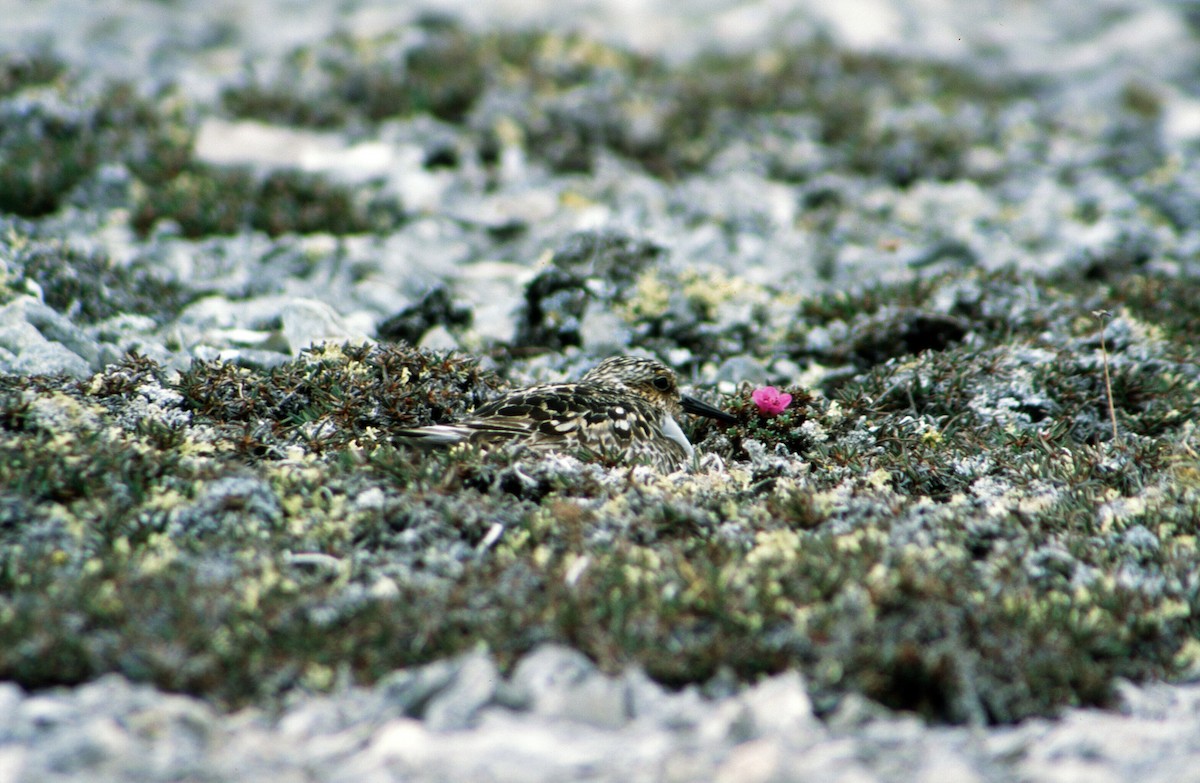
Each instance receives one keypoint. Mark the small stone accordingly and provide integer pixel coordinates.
(10, 700)
(563, 683)
(370, 499)
(438, 338)
(740, 369)
(14, 761)
(474, 684)
(384, 589)
(312, 717)
(43, 712)
(88, 745)
(409, 690)
(759, 761)
(307, 322)
(492, 288)
(855, 710)
(939, 764)
(55, 327)
(403, 740)
(603, 331)
(244, 357)
(780, 705)
(27, 350)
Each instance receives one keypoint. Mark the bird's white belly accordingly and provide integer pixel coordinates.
(671, 429)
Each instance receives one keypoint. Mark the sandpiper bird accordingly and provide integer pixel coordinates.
(625, 410)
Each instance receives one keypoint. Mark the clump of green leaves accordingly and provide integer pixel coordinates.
(571, 96)
(439, 69)
(86, 286)
(204, 200)
(332, 396)
(55, 134)
(928, 544)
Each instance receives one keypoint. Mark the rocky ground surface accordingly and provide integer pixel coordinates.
(557, 719)
(240, 245)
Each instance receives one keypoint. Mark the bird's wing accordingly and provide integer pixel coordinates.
(582, 415)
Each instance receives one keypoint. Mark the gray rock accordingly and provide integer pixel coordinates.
(786, 369)
(58, 328)
(120, 329)
(408, 691)
(1105, 746)
(244, 357)
(456, 707)
(603, 331)
(149, 350)
(10, 699)
(79, 749)
(36, 340)
(307, 322)
(494, 290)
(320, 716)
(175, 734)
(253, 329)
(38, 717)
(753, 762)
(14, 761)
(112, 730)
(27, 352)
(780, 705)
(740, 369)
(439, 339)
(855, 710)
(939, 763)
(562, 683)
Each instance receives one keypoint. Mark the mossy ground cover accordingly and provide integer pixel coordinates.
(954, 532)
(946, 522)
(58, 130)
(85, 286)
(570, 96)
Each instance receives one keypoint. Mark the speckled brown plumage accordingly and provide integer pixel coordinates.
(626, 410)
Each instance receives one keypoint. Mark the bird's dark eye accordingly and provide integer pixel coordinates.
(662, 384)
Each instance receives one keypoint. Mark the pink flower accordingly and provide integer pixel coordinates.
(771, 401)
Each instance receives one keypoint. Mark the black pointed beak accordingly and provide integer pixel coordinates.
(696, 408)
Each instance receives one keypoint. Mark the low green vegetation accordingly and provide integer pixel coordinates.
(955, 532)
(568, 96)
(86, 286)
(944, 519)
(57, 133)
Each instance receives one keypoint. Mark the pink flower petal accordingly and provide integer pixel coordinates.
(770, 401)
